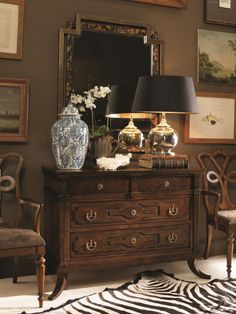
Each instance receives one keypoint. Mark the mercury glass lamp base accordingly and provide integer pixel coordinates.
(163, 138)
(130, 136)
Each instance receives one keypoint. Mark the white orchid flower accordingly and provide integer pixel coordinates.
(76, 99)
(92, 92)
(104, 91)
(97, 93)
(88, 93)
(89, 103)
(81, 108)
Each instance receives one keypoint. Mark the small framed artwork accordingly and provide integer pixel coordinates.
(11, 28)
(215, 122)
(167, 3)
(216, 57)
(222, 12)
(14, 95)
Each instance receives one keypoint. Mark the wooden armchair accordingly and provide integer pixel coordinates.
(15, 240)
(220, 178)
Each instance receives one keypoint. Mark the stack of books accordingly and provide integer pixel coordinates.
(163, 161)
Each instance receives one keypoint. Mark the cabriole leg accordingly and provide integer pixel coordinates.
(195, 270)
(60, 285)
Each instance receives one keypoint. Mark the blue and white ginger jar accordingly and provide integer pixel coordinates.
(70, 137)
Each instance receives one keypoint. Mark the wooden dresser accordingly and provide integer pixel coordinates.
(99, 219)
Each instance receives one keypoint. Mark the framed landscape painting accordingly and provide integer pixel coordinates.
(215, 122)
(216, 57)
(14, 110)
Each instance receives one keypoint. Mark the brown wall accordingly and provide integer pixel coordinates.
(176, 27)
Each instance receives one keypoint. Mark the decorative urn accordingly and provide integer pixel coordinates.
(70, 137)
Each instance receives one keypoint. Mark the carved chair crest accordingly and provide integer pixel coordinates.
(10, 167)
(220, 176)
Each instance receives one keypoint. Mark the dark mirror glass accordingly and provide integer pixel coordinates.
(108, 59)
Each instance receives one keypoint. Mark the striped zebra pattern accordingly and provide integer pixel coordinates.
(157, 292)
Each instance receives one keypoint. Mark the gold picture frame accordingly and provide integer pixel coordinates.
(14, 102)
(215, 122)
(168, 3)
(11, 29)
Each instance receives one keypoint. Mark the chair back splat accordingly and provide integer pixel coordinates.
(220, 178)
(220, 174)
(10, 169)
(16, 239)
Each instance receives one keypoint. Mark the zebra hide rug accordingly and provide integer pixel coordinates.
(156, 292)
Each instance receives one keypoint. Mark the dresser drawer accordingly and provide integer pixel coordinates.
(85, 214)
(95, 185)
(125, 241)
(152, 184)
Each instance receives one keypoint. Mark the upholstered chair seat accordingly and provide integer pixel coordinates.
(228, 217)
(19, 238)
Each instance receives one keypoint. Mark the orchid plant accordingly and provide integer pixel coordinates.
(88, 102)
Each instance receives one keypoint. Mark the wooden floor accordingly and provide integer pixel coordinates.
(15, 298)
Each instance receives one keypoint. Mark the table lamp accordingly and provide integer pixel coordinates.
(164, 94)
(119, 105)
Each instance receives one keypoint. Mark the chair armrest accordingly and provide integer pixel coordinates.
(38, 207)
(216, 205)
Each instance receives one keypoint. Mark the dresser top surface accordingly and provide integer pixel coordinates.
(128, 170)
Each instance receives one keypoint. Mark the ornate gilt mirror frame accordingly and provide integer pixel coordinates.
(85, 23)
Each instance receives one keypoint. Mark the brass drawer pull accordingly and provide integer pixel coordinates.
(173, 211)
(133, 212)
(133, 240)
(172, 238)
(91, 245)
(100, 187)
(91, 215)
(166, 184)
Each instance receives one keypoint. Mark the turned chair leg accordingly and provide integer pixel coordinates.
(209, 241)
(15, 269)
(229, 252)
(40, 269)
